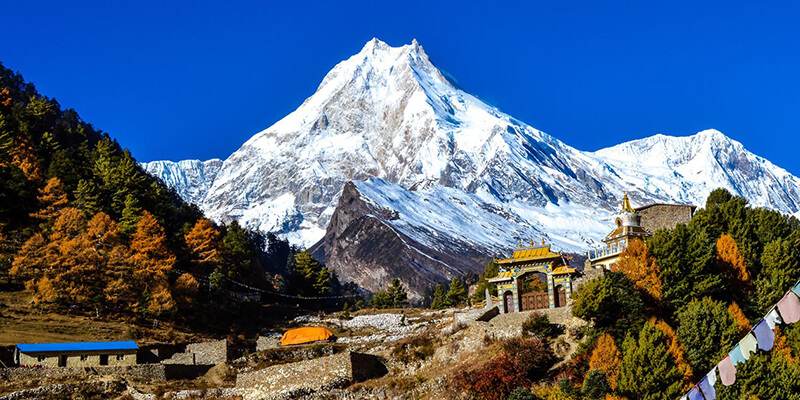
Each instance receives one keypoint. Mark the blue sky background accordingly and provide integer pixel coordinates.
(196, 79)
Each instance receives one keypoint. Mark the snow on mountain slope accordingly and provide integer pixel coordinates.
(453, 168)
(191, 178)
(687, 169)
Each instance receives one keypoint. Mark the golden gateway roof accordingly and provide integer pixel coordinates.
(531, 253)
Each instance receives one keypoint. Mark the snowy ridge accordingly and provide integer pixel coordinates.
(456, 171)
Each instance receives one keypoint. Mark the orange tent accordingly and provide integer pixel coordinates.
(305, 335)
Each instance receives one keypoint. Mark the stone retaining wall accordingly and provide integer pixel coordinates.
(150, 372)
(308, 376)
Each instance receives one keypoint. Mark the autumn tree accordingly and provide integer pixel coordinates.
(606, 357)
(52, 199)
(152, 259)
(742, 323)
(676, 350)
(641, 268)
(730, 261)
(203, 243)
(186, 288)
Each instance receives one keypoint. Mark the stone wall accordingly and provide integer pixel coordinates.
(308, 376)
(180, 358)
(659, 216)
(267, 342)
(149, 372)
(209, 353)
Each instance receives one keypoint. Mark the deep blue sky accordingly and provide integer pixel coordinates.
(197, 79)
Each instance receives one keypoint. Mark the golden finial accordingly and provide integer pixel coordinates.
(542, 240)
(531, 242)
(626, 204)
(520, 243)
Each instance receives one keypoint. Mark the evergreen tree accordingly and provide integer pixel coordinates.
(237, 253)
(648, 370)
(87, 197)
(310, 276)
(780, 263)
(611, 302)
(439, 298)
(131, 214)
(396, 294)
(456, 294)
(492, 270)
(707, 331)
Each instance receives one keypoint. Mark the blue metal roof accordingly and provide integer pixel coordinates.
(78, 346)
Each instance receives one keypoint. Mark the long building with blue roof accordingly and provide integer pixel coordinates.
(76, 354)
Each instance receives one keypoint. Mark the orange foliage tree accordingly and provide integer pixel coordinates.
(186, 288)
(52, 198)
(742, 323)
(641, 268)
(730, 260)
(151, 260)
(676, 350)
(203, 242)
(606, 357)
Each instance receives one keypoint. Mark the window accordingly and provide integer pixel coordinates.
(41, 358)
(84, 357)
(120, 357)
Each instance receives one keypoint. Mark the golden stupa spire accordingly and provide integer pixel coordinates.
(542, 240)
(531, 242)
(626, 204)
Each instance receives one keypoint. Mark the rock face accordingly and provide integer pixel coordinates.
(305, 377)
(440, 181)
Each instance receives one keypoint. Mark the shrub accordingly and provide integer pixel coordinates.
(530, 355)
(539, 325)
(521, 393)
(492, 381)
(416, 348)
(595, 386)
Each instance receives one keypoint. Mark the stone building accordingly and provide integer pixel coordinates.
(533, 278)
(636, 223)
(81, 354)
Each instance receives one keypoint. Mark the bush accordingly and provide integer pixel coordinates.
(494, 380)
(595, 386)
(530, 354)
(416, 348)
(539, 325)
(521, 393)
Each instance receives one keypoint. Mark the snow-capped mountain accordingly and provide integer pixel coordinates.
(445, 176)
(191, 178)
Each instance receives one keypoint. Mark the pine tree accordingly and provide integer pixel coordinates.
(707, 331)
(397, 294)
(606, 357)
(310, 276)
(612, 303)
(131, 214)
(642, 269)
(439, 299)
(648, 370)
(237, 253)
(456, 294)
(87, 197)
(52, 199)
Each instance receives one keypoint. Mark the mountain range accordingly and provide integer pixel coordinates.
(390, 169)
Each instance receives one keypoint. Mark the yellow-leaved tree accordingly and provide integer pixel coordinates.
(606, 357)
(637, 264)
(203, 242)
(151, 261)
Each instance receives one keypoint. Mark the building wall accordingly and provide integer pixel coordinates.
(665, 216)
(74, 359)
